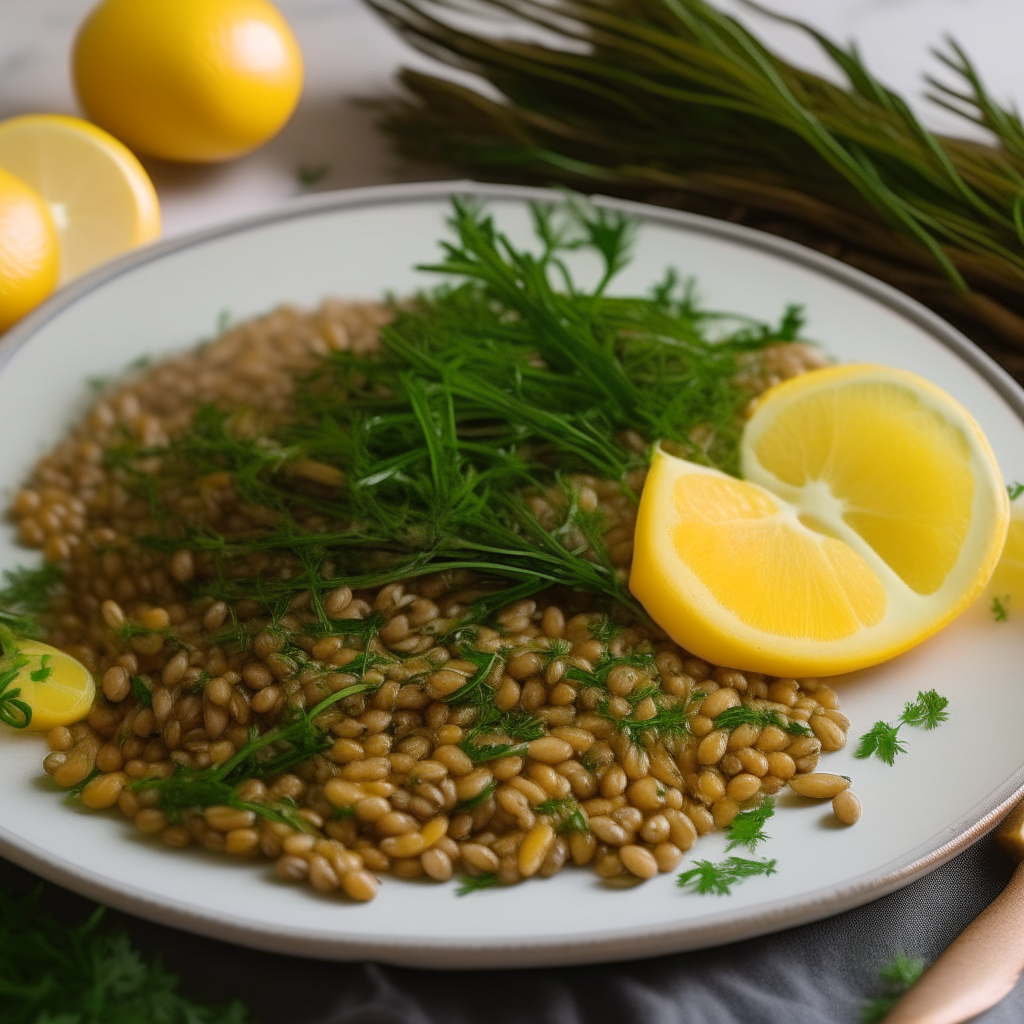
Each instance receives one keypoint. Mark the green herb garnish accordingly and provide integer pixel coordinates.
(706, 877)
(567, 814)
(45, 670)
(747, 828)
(310, 175)
(141, 692)
(1015, 490)
(473, 883)
(13, 710)
(25, 593)
(926, 711)
(897, 976)
(743, 714)
(999, 609)
(675, 101)
(55, 973)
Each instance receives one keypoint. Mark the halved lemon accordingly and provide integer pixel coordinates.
(99, 196)
(1008, 579)
(871, 514)
(58, 689)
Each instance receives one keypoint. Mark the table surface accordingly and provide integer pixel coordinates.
(351, 57)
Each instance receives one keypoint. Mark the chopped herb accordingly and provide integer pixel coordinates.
(926, 711)
(475, 801)
(310, 175)
(897, 976)
(73, 795)
(743, 714)
(473, 883)
(883, 741)
(25, 593)
(45, 670)
(141, 691)
(706, 877)
(747, 828)
(568, 815)
(260, 757)
(13, 710)
(1015, 490)
(54, 972)
(999, 609)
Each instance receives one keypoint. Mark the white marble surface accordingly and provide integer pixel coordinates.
(351, 55)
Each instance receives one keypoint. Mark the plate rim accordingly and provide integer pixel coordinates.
(552, 949)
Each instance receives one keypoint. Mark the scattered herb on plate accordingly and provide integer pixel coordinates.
(926, 711)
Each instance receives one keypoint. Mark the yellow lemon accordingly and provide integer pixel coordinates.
(871, 514)
(1008, 579)
(58, 689)
(191, 80)
(29, 254)
(100, 197)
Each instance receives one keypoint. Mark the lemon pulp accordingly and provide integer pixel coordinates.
(872, 512)
(57, 688)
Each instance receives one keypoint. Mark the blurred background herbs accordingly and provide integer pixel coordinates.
(675, 103)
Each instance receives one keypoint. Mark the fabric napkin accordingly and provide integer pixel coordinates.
(821, 973)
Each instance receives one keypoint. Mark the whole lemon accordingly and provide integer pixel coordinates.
(191, 80)
(29, 250)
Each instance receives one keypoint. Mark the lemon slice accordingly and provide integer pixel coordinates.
(872, 513)
(1008, 579)
(100, 197)
(58, 689)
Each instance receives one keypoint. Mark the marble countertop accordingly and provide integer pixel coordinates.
(351, 57)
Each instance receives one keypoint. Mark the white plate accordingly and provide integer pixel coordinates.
(952, 786)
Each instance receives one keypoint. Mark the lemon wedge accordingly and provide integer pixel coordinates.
(29, 253)
(58, 689)
(1008, 579)
(99, 195)
(871, 514)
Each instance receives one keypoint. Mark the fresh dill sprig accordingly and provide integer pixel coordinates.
(141, 692)
(492, 387)
(882, 740)
(926, 711)
(567, 814)
(747, 828)
(475, 801)
(1015, 490)
(706, 877)
(260, 757)
(743, 714)
(53, 972)
(14, 711)
(897, 976)
(1000, 611)
(25, 593)
(474, 883)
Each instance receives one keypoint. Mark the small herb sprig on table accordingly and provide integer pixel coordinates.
(926, 711)
(55, 973)
(897, 976)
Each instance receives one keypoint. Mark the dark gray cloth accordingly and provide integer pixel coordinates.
(818, 974)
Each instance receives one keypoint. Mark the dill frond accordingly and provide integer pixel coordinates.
(474, 883)
(141, 692)
(927, 711)
(882, 740)
(25, 593)
(1000, 611)
(707, 877)
(567, 814)
(743, 714)
(897, 976)
(1015, 490)
(747, 828)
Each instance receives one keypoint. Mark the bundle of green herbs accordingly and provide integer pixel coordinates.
(487, 389)
(674, 102)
